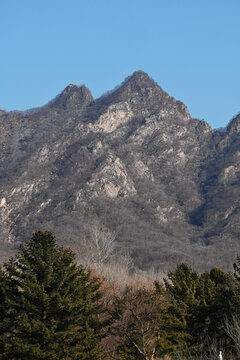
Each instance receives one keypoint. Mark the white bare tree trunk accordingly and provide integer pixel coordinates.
(233, 330)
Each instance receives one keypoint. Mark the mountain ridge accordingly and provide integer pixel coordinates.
(133, 161)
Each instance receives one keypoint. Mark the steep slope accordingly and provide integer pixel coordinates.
(133, 160)
(220, 211)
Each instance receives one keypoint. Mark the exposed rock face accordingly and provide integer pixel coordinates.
(133, 160)
(72, 97)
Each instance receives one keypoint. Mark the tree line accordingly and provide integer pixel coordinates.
(53, 308)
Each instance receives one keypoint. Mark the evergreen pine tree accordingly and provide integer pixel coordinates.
(54, 303)
(181, 287)
(205, 302)
(223, 304)
(173, 337)
(3, 309)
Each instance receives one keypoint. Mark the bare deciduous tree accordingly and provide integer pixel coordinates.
(96, 247)
(101, 244)
(137, 326)
(233, 330)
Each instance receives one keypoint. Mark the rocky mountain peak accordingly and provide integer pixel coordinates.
(2, 112)
(140, 92)
(234, 125)
(140, 78)
(144, 93)
(72, 96)
(138, 83)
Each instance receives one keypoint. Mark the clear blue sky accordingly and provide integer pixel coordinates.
(189, 47)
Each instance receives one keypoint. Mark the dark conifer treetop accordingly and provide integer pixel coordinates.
(53, 304)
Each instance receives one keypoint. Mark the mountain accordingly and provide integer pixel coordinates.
(134, 161)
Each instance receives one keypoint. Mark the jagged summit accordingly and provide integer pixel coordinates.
(72, 96)
(234, 125)
(138, 81)
(140, 78)
(131, 84)
(142, 91)
(2, 112)
(137, 88)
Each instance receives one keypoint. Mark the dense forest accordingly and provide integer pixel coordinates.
(52, 307)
